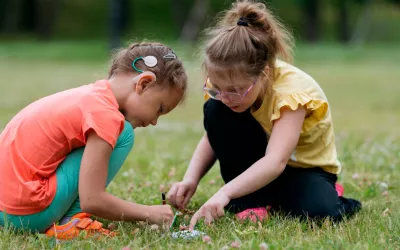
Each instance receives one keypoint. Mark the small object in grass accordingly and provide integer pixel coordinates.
(263, 246)
(134, 231)
(385, 193)
(383, 186)
(259, 225)
(187, 235)
(125, 248)
(235, 244)
(225, 248)
(212, 182)
(148, 184)
(155, 227)
(172, 172)
(162, 188)
(163, 201)
(207, 239)
(355, 176)
(386, 212)
(183, 227)
(186, 217)
(111, 226)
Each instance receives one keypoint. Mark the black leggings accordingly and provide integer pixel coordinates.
(238, 141)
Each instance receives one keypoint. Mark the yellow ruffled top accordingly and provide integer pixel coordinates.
(293, 87)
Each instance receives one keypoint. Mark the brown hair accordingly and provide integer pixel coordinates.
(167, 71)
(247, 48)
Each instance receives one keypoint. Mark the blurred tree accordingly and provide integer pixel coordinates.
(363, 23)
(343, 21)
(46, 17)
(12, 13)
(179, 13)
(118, 21)
(311, 14)
(192, 26)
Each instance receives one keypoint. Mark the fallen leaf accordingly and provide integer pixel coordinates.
(134, 231)
(263, 246)
(111, 226)
(383, 186)
(172, 172)
(235, 244)
(386, 212)
(207, 239)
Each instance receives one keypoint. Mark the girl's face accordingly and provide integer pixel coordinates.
(148, 101)
(238, 93)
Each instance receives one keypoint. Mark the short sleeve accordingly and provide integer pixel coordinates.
(316, 108)
(205, 116)
(108, 124)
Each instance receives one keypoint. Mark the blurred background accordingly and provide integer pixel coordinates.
(351, 47)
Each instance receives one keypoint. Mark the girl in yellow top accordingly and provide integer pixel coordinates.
(267, 123)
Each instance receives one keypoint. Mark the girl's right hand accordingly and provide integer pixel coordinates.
(180, 193)
(160, 214)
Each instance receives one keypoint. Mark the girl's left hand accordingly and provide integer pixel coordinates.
(211, 210)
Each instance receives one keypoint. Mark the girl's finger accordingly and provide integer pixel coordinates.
(194, 220)
(180, 196)
(187, 198)
(171, 196)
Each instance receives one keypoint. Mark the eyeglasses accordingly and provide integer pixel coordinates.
(233, 97)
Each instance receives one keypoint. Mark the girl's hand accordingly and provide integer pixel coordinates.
(211, 210)
(160, 214)
(180, 193)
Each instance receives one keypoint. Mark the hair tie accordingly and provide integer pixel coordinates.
(242, 22)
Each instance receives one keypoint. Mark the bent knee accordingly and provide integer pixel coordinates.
(318, 210)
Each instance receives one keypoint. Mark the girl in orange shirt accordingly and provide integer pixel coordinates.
(60, 152)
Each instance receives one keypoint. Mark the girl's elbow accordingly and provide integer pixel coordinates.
(282, 163)
(90, 204)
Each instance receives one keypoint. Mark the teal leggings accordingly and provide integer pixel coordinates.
(66, 200)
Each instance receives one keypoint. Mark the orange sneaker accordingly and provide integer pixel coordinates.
(79, 222)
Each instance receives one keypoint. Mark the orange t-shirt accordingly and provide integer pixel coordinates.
(40, 136)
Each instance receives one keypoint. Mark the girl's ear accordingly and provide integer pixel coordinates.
(143, 81)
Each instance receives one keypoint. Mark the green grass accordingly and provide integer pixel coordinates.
(362, 85)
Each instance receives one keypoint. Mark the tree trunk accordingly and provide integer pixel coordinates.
(46, 18)
(363, 24)
(312, 21)
(179, 14)
(343, 22)
(12, 13)
(192, 26)
(118, 21)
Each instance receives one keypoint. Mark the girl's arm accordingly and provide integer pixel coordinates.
(202, 160)
(92, 184)
(283, 141)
